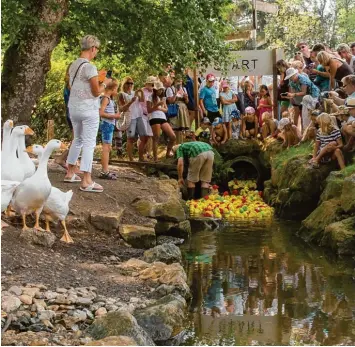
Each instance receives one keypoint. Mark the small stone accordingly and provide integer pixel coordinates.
(88, 313)
(85, 340)
(50, 295)
(111, 308)
(131, 308)
(110, 301)
(72, 298)
(10, 303)
(81, 315)
(134, 300)
(84, 301)
(93, 289)
(61, 290)
(15, 290)
(100, 312)
(53, 307)
(8, 272)
(46, 314)
(23, 314)
(61, 299)
(47, 323)
(66, 307)
(112, 258)
(94, 307)
(30, 291)
(26, 299)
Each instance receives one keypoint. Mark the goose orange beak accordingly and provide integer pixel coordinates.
(11, 123)
(63, 146)
(29, 149)
(29, 131)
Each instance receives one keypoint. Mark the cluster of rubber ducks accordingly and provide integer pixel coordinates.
(242, 202)
(25, 189)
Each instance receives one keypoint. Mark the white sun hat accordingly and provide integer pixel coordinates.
(290, 72)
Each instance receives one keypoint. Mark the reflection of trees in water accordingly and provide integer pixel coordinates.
(270, 284)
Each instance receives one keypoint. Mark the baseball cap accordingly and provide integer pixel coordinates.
(217, 120)
(205, 120)
(235, 114)
(210, 77)
(225, 84)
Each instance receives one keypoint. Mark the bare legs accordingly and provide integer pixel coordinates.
(106, 149)
(156, 134)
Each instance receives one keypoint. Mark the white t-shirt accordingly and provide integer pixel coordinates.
(171, 91)
(156, 114)
(135, 109)
(81, 98)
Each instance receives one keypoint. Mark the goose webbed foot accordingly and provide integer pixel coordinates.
(66, 237)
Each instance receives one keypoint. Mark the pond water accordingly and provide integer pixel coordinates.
(261, 285)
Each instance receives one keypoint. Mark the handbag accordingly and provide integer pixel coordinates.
(173, 110)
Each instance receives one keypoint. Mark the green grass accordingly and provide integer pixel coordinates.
(349, 170)
(286, 154)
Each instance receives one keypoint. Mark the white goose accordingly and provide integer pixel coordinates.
(32, 193)
(57, 205)
(7, 191)
(8, 125)
(28, 166)
(11, 168)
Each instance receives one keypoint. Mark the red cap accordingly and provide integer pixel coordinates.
(210, 77)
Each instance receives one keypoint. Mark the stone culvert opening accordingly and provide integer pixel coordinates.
(245, 168)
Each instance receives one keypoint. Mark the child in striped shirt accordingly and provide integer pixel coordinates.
(328, 143)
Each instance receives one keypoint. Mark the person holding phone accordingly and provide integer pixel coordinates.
(177, 94)
(85, 89)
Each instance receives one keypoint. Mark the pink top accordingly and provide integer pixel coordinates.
(147, 94)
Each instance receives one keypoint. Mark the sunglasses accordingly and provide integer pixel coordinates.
(303, 47)
(298, 53)
(131, 83)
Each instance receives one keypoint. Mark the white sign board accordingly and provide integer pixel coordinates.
(247, 63)
(266, 7)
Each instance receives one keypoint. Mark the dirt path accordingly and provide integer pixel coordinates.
(87, 261)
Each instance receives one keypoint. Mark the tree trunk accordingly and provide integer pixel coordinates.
(27, 62)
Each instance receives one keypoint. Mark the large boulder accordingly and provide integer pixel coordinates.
(170, 211)
(163, 319)
(180, 229)
(333, 186)
(119, 323)
(132, 265)
(297, 186)
(138, 236)
(232, 149)
(108, 222)
(172, 274)
(167, 253)
(348, 194)
(326, 213)
(340, 236)
(114, 341)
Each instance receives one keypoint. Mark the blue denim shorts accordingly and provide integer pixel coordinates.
(107, 132)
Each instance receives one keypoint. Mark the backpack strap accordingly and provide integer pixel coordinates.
(85, 62)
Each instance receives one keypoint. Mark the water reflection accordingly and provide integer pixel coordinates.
(259, 285)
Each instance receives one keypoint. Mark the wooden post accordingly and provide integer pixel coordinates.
(274, 84)
(197, 116)
(50, 129)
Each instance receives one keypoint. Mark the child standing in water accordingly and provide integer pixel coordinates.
(265, 103)
(108, 119)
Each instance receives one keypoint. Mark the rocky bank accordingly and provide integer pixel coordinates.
(120, 283)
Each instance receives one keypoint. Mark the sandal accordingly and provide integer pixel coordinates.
(108, 175)
(314, 165)
(92, 188)
(73, 179)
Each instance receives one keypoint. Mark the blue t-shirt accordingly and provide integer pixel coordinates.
(209, 99)
(312, 89)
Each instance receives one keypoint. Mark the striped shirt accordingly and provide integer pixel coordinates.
(110, 108)
(192, 149)
(326, 139)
